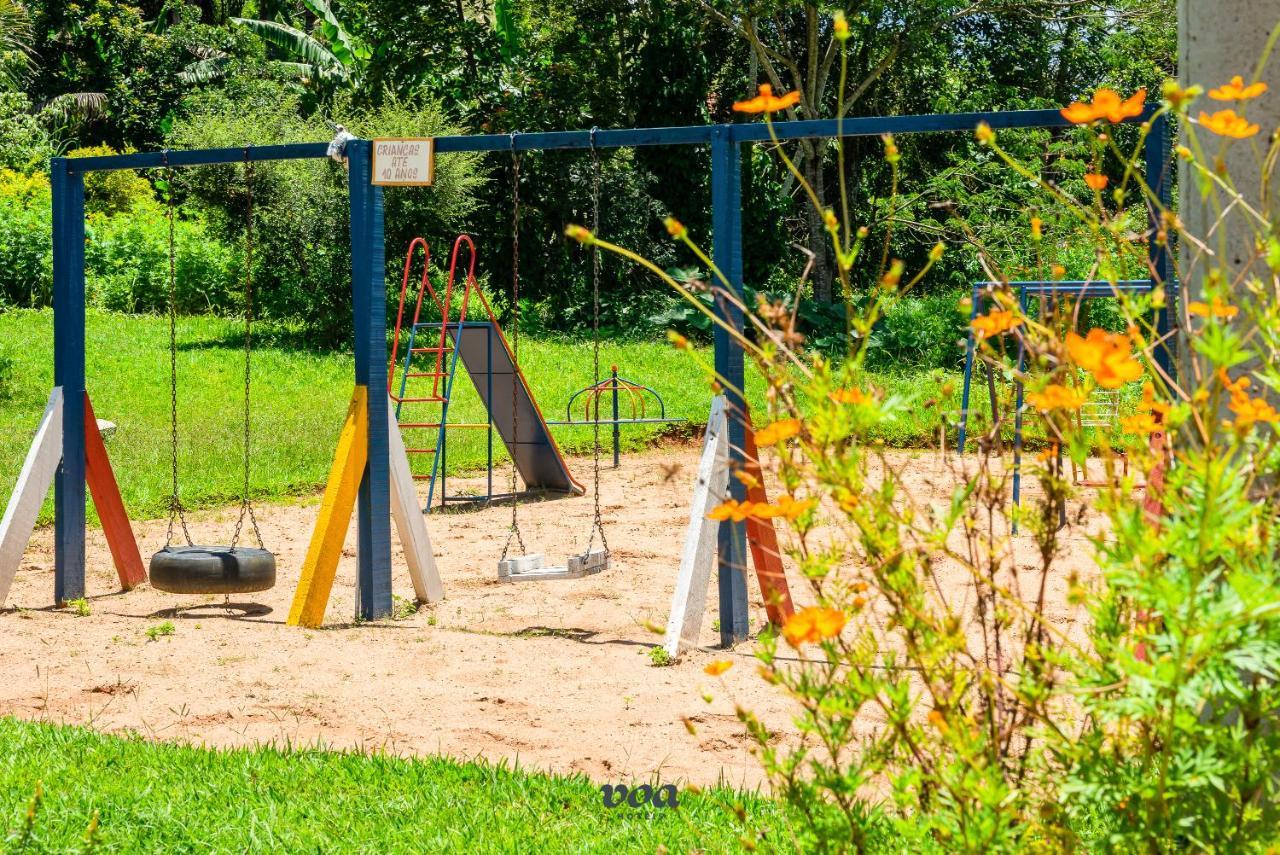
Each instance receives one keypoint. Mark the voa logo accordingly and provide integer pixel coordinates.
(664, 796)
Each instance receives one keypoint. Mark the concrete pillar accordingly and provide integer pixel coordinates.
(1218, 39)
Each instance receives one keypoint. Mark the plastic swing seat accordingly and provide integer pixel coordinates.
(212, 570)
(530, 568)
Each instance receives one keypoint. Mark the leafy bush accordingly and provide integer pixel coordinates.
(127, 264)
(919, 332)
(302, 244)
(25, 146)
(112, 192)
(26, 229)
(8, 380)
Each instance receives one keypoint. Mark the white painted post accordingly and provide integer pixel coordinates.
(698, 556)
(28, 494)
(409, 520)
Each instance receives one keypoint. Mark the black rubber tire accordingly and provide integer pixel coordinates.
(212, 570)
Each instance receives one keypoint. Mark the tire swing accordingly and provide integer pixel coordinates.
(196, 569)
(529, 567)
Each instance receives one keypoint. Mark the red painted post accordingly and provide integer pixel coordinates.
(106, 498)
(762, 538)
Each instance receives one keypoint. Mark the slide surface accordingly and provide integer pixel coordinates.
(481, 344)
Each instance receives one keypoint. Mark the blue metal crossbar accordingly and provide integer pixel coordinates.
(725, 141)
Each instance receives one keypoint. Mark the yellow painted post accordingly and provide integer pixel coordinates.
(321, 565)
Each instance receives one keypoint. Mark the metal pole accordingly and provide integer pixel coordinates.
(726, 224)
(370, 316)
(1158, 166)
(617, 428)
(68, 372)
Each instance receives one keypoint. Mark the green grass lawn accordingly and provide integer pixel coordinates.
(300, 397)
(167, 798)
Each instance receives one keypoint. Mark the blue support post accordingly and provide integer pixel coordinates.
(968, 371)
(368, 296)
(1158, 165)
(68, 372)
(617, 428)
(726, 225)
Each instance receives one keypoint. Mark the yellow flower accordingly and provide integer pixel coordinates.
(675, 228)
(778, 432)
(1055, 397)
(935, 254)
(579, 233)
(812, 625)
(984, 133)
(790, 507)
(1150, 404)
(677, 340)
(1036, 224)
(995, 322)
(1236, 90)
(718, 667)
(1107, 356)
(1095, 181)
(1227, 123)
(938, 720)
(1216, 309)
(1058, 271)
(1107, 105)
(849, 396)
(829, 220)
(767, 102)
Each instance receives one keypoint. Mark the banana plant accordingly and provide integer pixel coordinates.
(330, 54)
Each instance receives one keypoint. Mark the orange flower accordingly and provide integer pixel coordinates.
(1055, 397)
(938, 720)
(579, 233)
(1149, 403)
(1216, 309)
(1236, 90)
(778, 432)
(1227, 123)
(766, 102)
(675, 228)
(812, 625)
(995, 322)
(790, 507)
(732, 510)
(1140, 423)
(1249, 410)
(1107, 105)
(1107, 356)
(1036, 224)
(849, 396)
(718, 667)
(1095, 181)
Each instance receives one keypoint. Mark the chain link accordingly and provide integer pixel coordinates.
(597, 525)
(177, 513)
(246, 507)
(515, 533)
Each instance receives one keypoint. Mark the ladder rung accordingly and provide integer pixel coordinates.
(422, 477)
(427, 374)
(406, 425)
(431, 350)
(435, 400)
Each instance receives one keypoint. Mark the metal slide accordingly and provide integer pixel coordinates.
(487, 358)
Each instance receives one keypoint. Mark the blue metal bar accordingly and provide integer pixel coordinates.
(68, 372)
(370, 315)
(617, 428)
(198, 157)
(1158, 160)
(1017, 421)
(726, 226)
(969, 346)
(623, 138)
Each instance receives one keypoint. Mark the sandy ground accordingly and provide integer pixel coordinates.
(553, 674)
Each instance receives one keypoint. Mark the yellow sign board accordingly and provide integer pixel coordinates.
(404, 162)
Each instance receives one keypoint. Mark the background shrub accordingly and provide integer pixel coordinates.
(26, 249)
(112, 192)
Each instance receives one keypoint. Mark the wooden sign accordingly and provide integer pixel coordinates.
(404, 162)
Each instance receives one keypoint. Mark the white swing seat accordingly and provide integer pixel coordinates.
(531, 568)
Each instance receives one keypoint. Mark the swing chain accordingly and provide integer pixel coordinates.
(515, 350)
(597, 525)
(246, 507)
(177, 513)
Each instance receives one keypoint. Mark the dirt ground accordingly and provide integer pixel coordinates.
(554, 674)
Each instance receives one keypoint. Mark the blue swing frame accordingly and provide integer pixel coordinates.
(367, 273)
